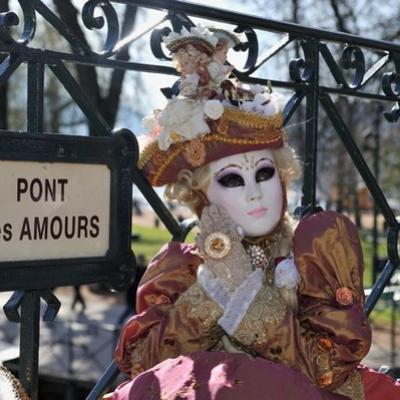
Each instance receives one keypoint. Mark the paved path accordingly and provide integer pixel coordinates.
(76, 345)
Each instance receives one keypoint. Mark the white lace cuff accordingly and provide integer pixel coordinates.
(239, 303)
(286, 274)
(212, 286)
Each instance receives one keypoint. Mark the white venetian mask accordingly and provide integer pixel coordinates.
(248, 187)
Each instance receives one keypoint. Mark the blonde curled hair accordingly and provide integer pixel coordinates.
(191, 187)
(190, 54)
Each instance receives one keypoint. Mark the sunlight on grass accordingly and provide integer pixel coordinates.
(152, 239)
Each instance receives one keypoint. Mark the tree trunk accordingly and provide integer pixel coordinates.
(87, 76)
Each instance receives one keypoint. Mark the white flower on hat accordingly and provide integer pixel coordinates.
(265, 103)
(213, 109)
(182, 119)
(286, 274)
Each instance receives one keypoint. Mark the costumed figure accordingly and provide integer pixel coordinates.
(257, 308)
(192, 52)
(217, 68)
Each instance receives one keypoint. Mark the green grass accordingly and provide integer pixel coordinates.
(383, 313)
(366, 244)
(151, 240)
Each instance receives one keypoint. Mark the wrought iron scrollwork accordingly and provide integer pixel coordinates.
(393, 243)
(353, 58)
(11, 308)
(301, 70)
(251, 46)
(8, 66)
(391, 87)
(180, 21)
(9, 19)
(292, 105)
(92, 22)
(156, 40)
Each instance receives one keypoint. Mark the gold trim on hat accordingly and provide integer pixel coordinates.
(252, 120)
(231, 115)
(181, 42)
(150, 151)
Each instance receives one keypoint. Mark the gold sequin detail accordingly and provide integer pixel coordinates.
(352, 387)
(325, 375)
(147, 154)
(252, 120)
(136, 351)
(184, 41)
(200, 306)
(217, 245)
(168, 161)
(223, 126)
(195, 152)
(268, 307)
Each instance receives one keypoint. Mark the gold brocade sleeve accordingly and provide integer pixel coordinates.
(330, 334)
(177, 316)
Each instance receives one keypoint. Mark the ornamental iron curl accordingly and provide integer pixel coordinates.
(92, 22)
(156, 41)
(391, 80)
(251, 46)
(393, 243)
(180, 21)
(391, 87)
(353, 58)
(9, 19)
(301, 70)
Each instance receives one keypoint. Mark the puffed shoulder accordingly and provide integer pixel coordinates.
(168, 275)
(328, 254)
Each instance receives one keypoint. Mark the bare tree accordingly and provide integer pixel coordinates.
(107, 104)
(357, 17)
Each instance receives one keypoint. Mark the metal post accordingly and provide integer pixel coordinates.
(29, 343)
(35, 97)
(376, 154)
(393, 333)
(310, 156)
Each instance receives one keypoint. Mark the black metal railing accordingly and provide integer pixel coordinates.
(343, 54)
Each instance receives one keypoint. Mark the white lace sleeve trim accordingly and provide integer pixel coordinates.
(212, 286)
(239, 303)
(286, 274)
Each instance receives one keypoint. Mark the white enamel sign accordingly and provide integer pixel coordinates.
(53, 210)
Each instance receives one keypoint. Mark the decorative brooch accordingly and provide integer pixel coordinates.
(217, 245)
(258, 258)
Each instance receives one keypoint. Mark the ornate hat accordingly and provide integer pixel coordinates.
(212, 117)
(200, 38)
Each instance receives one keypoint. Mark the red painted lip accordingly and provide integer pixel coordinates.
(258, 212)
